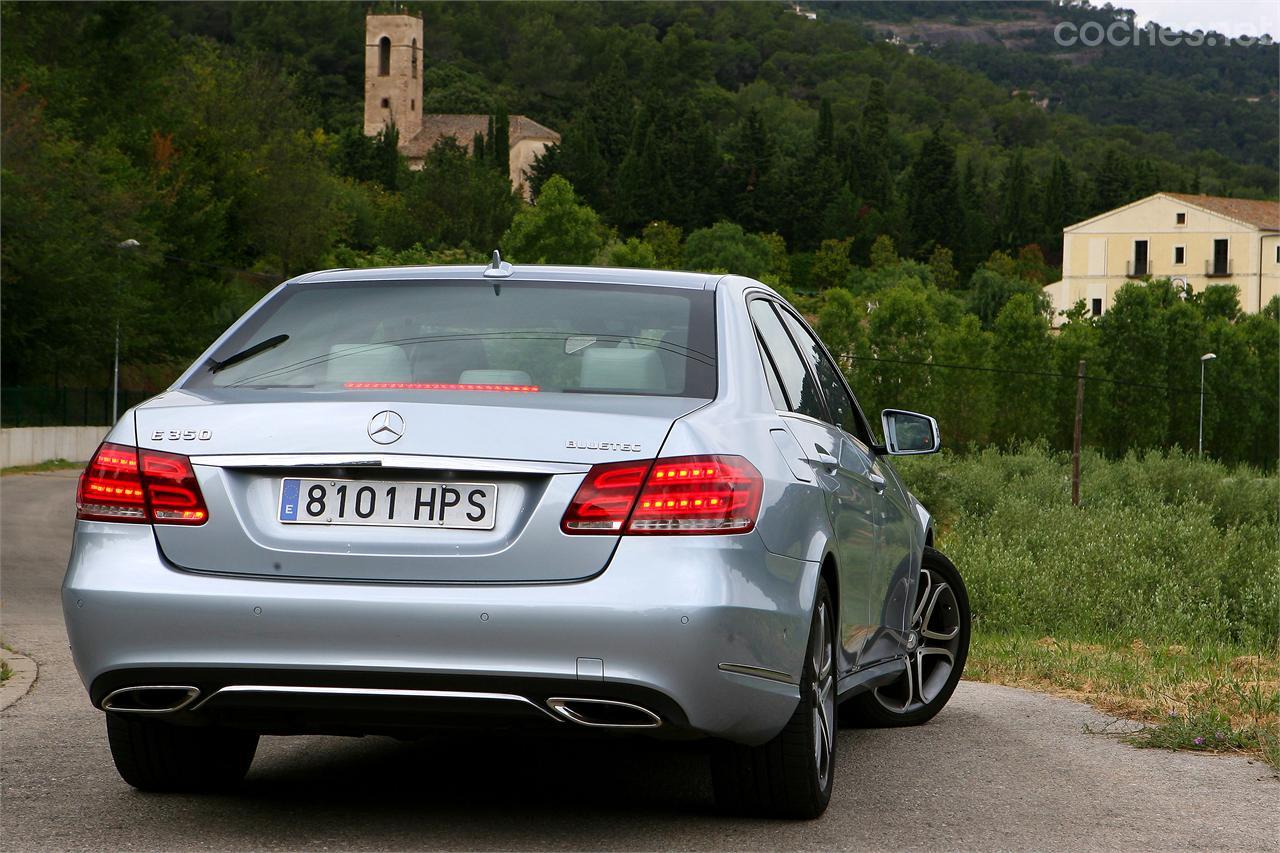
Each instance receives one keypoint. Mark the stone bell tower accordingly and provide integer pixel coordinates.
(393, 74)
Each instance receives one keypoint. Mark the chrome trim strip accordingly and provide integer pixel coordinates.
(192, 693)
(560, 705)
(760, 672)
(386, 460)
(374, 691)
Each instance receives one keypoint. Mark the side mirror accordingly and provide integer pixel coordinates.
(908, 433)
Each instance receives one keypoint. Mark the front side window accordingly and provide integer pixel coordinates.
(452, 335)
(1179, 255)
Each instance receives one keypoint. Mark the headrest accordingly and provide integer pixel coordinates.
(367, 363)
(625, 369)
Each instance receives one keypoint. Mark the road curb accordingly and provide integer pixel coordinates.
(19, 684)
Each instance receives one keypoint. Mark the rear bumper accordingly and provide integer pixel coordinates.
(654, 629)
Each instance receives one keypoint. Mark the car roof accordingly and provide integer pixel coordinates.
(519, 272)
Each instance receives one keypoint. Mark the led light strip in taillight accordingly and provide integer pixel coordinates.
(688, 494)
(434, 386)
(127, 484)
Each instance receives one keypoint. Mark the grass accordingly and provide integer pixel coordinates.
(1157, 599)
(51, 465)
(1210, 698)
(5, 671)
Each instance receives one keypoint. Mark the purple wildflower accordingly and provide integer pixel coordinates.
(1199, 741)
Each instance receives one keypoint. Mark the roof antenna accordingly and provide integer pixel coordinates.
(497, 269)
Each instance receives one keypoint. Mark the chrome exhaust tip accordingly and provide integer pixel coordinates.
(150, 699)
(604, 713)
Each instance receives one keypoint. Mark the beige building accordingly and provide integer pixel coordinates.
(393, 64)
(1195, 240)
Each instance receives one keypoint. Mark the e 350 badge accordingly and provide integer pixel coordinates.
(182, 435)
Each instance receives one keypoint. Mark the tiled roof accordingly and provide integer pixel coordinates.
(1262, 214)
(463, 128)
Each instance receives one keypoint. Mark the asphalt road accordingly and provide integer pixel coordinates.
(998, 769)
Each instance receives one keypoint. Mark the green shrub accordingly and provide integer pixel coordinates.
(1163, 547)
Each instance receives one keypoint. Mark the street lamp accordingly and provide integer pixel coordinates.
(129, 245)
(1204, 359)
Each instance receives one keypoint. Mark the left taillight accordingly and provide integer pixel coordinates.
(127, 484)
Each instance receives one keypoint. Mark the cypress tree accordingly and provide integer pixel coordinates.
(501, 136)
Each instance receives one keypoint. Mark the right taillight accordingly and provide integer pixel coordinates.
(126, 484)
(686, 494)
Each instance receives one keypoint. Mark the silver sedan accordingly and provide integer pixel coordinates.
(579, 500)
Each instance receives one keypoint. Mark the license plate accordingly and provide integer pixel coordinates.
(468, 506)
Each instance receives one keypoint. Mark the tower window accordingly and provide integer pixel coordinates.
(1179, 255)
(386, 103)
(413, 105)
(1180, 218)
(413, 59)
(384, 56)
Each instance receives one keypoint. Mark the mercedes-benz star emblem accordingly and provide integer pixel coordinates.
(386, 427)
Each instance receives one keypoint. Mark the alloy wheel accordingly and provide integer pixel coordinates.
(932, 642)
(822, 661)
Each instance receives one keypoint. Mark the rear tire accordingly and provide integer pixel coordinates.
(939, 632)
(792, 775)
(152, 755)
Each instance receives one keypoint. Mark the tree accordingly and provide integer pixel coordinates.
(726, 247)
(934, 195)
(1018, 218)
(559, 229)
(883, 253)
(499, 143)
(945, 276)
(831, 266)
(632, 253)
(1133, 347)
(963, 401)
(900, 331)
(457, 200)
(1113, 184)
(990, 291)
(840, 325)
(1021, 347)
(664, 238)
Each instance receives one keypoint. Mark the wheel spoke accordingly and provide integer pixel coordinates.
(926, 577)
(934, 635)
(938, 650)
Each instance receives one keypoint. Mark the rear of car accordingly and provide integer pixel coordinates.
(399, 499)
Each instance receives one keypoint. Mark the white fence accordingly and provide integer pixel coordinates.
(33, 445)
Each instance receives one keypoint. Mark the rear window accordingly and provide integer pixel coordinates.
(444, 335)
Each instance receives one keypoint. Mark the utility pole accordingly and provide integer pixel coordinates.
(1075, 440)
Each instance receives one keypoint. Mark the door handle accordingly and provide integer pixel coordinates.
(825, 459)
(877, 482)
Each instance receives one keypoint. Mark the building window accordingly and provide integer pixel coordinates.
(1278, 254)
(384, 56)
(1179, 255)
(386, 103)
(413, 59)
(1181, 218)
(1096, 307)
(413, 105)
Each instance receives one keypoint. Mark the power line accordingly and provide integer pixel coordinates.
(1072, 377)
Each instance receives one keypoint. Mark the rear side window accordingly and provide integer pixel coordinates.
(838, 399)
(801, 394)
(448, 335)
